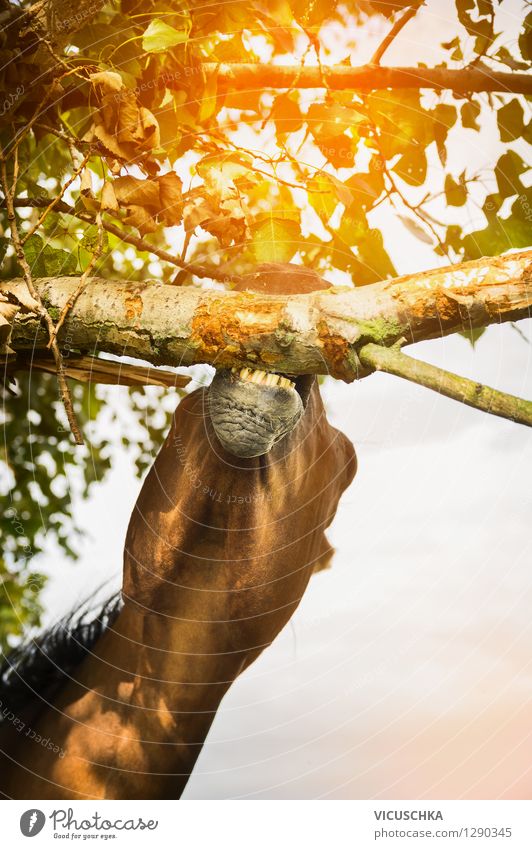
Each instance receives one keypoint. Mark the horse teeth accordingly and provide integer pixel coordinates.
(263, 378)
(286, 384)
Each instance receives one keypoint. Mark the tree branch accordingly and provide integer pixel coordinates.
(82, 281)
(318, 333)
(469, 392)
(395, 30)
(88, 369)
(207, 271)
(44, 315)
(254, 76)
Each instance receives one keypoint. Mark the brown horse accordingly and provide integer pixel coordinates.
(218, 554)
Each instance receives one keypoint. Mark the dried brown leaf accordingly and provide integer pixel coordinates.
(133, 191)
(108, 198)
(139, 217)
(171, 199)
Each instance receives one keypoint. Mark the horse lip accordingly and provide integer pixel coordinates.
(267, 413)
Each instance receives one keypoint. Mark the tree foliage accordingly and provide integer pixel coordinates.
(137, 158)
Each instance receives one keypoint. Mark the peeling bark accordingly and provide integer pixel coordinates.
(318, 333)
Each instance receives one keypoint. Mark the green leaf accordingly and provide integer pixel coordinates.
(472, 335)
(46, 261)
(455, 191)
(510, 120)
(33, 250)
(508, 59)
(231, 166)
(491, 205)
(328, 120)
(401, 121)
(353, 226)
(412, 166)
(444, 116)
(416, 229)
(4, 244)
(58, 262)
(469, 114)
(91, 237)
(464, 8)
(501, 234)
(160, 36)
(323, 195)
(525, 38)
(507, 171)
(275, 239)
(376, 256)
(286, 113)
(484, 36)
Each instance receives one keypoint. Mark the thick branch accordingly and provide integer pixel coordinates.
(469, 392)
(368, 78)
(316, 333)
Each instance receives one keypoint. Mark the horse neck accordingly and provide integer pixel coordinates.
(218, 554)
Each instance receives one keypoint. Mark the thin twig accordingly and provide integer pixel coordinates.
(206, 271)
(82, 281)
(38, 203)
(393, 361)
(28, 125)
(394, 32)
(75, 174)
(419, 213)
(198, 270)
(64, 391)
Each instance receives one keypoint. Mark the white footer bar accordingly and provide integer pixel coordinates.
(269, 824)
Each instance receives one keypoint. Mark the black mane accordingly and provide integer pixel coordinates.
(37, 670)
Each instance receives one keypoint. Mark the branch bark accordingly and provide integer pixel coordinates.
(319, 333)
(237, 77)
